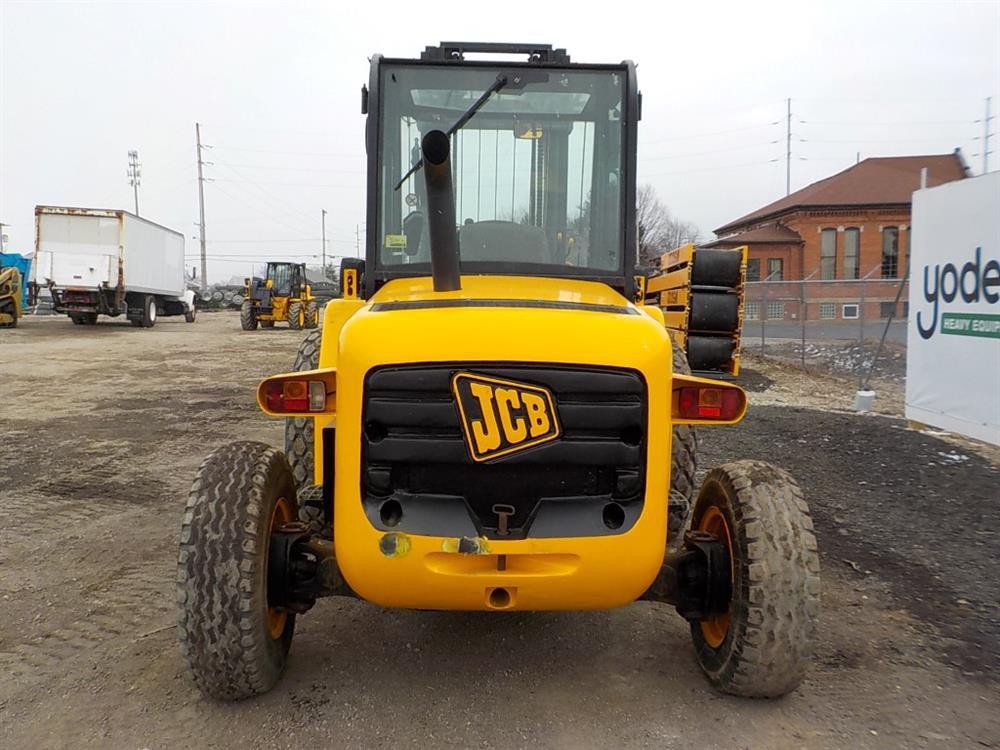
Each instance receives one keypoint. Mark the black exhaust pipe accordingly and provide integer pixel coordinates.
(436, 148)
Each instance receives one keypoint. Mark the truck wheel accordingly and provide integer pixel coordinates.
(235, 644)
(148, 311)
(89, 319)
(294, 315)
(248, 316)
(683, 465)
(312, 314)
(299, 430)
(77, 320)
(761, 646)
(190, 315)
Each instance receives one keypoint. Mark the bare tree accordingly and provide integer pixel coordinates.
(658, 230)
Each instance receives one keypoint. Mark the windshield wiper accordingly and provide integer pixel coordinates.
(498, 84)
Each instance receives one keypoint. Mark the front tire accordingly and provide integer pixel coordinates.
(294, 315)
(761, 646)
(190, 315)
(311, 314)
(248, 316)
(235, 645)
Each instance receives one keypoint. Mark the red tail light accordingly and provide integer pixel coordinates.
(724, 404)
(295, 395)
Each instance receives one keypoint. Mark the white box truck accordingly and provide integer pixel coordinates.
(110, 262)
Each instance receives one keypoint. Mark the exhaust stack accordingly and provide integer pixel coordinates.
(436, 152)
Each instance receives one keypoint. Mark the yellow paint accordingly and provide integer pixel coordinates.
(551, 573)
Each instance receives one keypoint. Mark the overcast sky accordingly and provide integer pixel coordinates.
(276, 88)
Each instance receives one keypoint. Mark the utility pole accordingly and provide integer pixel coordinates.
(324, 245)
(788, 147)
(987, 135)
(134, 173)
(201, 209)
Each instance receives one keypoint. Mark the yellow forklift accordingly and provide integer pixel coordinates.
(283, 294)
(489, 418)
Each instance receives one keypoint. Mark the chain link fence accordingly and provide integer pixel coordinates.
(847, 326)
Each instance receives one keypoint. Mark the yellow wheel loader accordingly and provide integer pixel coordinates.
(11, 302)
(283, 294)
(490, 418)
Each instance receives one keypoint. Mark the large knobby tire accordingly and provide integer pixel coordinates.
(248, 316)
(235, 645)
(683, 465)
(312, 314)
(761, 647)
(294, 315)
(299, 448)
(299, 430)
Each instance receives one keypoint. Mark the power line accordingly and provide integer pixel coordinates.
(713, 133)
(291, 169)
(339, 155)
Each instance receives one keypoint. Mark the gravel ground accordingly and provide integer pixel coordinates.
(102, 429)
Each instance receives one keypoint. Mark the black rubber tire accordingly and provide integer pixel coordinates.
(710, 352)
(299, 430)
(77, 320)
(148, 311)
(716, 268)
(9, 309)
(294, 315)
(718, 312)
(266, 324)
(311, 314)
(89, 319)
(683, 466)
(222, 571)
(190, 315)
(776, 590)
(248, 316)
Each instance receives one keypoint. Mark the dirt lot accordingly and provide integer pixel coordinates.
(101, 430)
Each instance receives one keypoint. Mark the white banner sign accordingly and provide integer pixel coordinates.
(953, 337)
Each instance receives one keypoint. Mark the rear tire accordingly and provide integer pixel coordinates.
(248, 316)
(683, 466)
(190, 315)
(299, 431)
(148, 311)
(762, 646)
(234, 644)
(294, 315)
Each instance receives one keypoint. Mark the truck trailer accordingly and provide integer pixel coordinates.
(109, 262)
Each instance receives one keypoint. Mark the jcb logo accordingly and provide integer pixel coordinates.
(501, 417)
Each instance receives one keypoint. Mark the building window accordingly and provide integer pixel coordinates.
(890, 253)
(887, 310)
(849, 312)
(852, 244)
(775, 310)
(828, 254)
(751, 311)
(753, 269)
(828, 310)
(775, 269)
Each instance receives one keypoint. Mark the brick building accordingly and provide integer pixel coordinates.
(846, 236)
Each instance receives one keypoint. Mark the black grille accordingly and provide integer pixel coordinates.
(418, 476)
